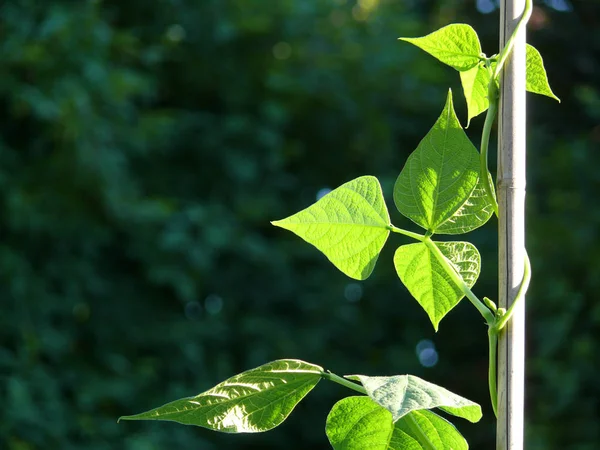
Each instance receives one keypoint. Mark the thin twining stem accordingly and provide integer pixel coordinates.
(505, 53)
(501, 318)
(492, 368)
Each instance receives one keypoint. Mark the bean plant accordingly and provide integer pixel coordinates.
(445, 188)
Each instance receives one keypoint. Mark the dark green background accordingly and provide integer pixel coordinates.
(146, 145)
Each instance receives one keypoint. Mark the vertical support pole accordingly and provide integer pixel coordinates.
(511, 229)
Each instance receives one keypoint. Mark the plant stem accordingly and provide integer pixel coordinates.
(503, 320)
(485, 142)
(494, 330)
(505, 53)
(492, 368)
(511, 222)
(500, 321)
(344, 382)
(417, 236)
(422, 437)
(457, 279)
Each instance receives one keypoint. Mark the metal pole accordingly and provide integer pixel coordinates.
(511, 231)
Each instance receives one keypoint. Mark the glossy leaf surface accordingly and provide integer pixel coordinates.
(250, 402)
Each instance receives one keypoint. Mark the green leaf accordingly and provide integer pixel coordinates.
(250, 402)
(401, 394)
(537, 80)
(475, 212)
(440, 175)
(441, 433)
(456, 45)
(475, 82)
(427, 279)
(358, 423)
(349, 225)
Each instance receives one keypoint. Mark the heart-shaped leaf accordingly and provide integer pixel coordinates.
(427, 278)
(440, 175)
(357, 423)
(456, 45)
(349, 225)
(537, 80)
(250, 402)
(401, 394)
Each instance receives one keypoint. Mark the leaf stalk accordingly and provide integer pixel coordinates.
(344, 382)
(417, 236)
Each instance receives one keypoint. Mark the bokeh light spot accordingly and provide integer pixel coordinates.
(213, 304)
(193, 310)
(322, 192)
(485, 6)
(175, 33)
(426, 353)
(282, 50)
(353, 292)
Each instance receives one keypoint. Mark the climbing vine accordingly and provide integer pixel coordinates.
(445, 188)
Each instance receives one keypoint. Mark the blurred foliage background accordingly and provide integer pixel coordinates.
(144, 148)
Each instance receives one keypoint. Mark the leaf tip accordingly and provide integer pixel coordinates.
(449, 97)
(435, 321)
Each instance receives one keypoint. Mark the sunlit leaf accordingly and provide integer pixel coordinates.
(537, 80)
(440, 175)
(401, 394)
(349, 225)
(475, 212)
(427, 278)
(475, 83)
(441, 433)
(250, 402)
(358, 423)
(456, 45)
